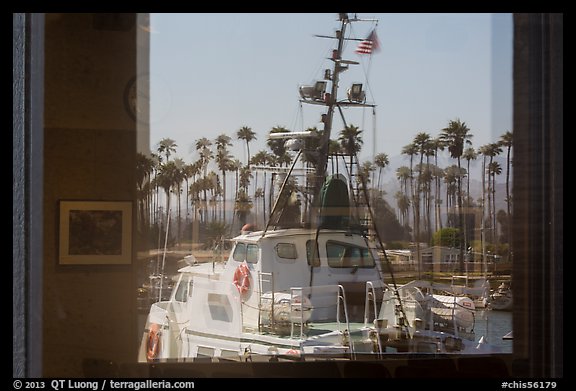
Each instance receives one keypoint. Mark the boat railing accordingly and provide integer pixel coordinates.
(369, 297)
(342, 300)
(297, 304)
(299, 301)
(265, 277)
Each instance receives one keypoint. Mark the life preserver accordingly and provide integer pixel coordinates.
(153, 347)
(242, 278)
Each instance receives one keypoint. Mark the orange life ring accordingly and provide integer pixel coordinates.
(153, 342)
(242, 278)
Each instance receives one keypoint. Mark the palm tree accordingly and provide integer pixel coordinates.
(364, 174)
(411, 151)
(154, 189)
(223, 159)
(144, 168)
(490, 151)
(258, 194)
(437, 145)
(245, 133)
(215, 234)
(203, 147)
(403, 174)
(438, 175)
(494, 169)
(194, 193)
(469, 154)
(167, 178)
(350, 142)
(506, 141)
(451, 175)
(277, 145)
(284, 159)
(222, 142)
(484, 151)
(381, 161)
(245, 176)
(334, 147)
(243, 206)
(212, 185)
(403, 202)
(167, 146)
(456, 135)
(426, 182)
(270, 160)
(179, 177)
(311, 144)
(189, 172)
(421, 142)
(260, 158)
(235, 166)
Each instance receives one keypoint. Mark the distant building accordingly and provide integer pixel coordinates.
(440, 258)
(400, 257)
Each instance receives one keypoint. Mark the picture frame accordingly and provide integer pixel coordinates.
(95, 232)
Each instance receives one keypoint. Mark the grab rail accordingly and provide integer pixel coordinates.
(301, 306)
(261, 281)
(342, 297)
(370, 295)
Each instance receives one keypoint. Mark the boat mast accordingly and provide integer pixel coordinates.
(330, 100)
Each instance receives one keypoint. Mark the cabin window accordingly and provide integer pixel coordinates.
(239, 252)
(312, 253)
(286, 250)
(182, 290)
(343, 255)
(204, 351)
(220, 308)
(246, 252)
(252, 253)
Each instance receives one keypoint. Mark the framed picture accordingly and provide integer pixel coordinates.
(95, 232)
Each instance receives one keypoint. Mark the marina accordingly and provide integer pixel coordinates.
(310, 283)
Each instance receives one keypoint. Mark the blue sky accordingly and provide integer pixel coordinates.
(214, 73)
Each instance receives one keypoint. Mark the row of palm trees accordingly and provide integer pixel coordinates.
(203, 183)
(421, 183)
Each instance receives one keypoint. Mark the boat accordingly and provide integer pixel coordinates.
(476, 288)
(310, 283)
(501, 299)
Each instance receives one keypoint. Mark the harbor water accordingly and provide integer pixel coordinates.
(493, 325)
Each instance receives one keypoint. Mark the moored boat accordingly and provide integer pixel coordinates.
(501, 299)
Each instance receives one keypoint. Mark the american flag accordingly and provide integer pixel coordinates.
(369, 45)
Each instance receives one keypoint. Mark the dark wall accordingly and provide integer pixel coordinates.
(538, 240)
(89, 154)
(27, 141)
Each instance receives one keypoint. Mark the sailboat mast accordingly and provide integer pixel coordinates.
(331, 103)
